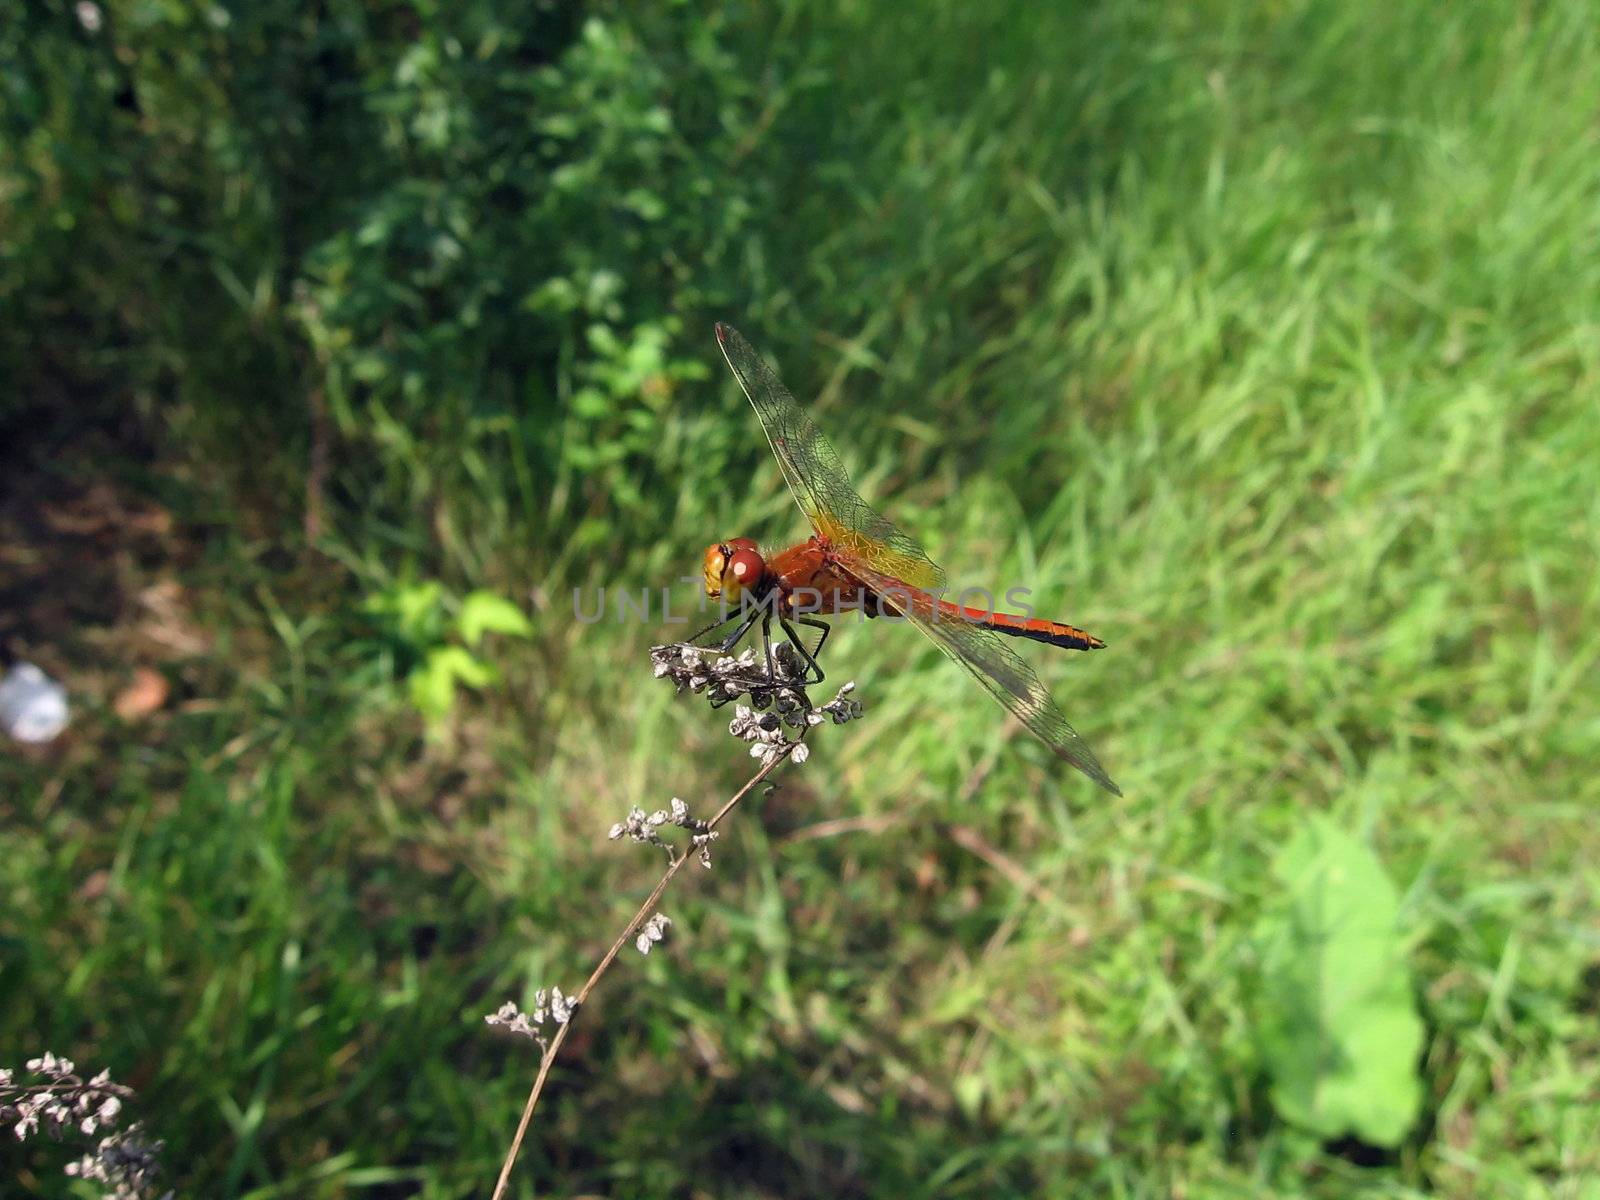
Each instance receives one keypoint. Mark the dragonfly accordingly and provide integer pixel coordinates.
(856, 560)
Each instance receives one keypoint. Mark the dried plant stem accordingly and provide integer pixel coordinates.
(645, 909)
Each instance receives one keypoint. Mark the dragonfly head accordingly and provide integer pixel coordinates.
(732, 567)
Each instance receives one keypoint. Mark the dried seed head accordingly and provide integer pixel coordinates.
(651, 932)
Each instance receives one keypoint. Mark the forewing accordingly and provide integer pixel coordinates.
(988, 657)
(817, 477)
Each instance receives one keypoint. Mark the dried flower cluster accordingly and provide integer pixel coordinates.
(765, 731)
(725, 677)
(61, 1103)
(124, 1162)
(651, 932)
(646, 829)
(778, 702)
(549, 1004)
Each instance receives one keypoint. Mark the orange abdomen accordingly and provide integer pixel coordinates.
(1035, 629)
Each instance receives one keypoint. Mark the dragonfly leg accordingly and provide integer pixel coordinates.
(814, 673)
(746, 621)
(814, 623)
(694, 638)
(737, 636)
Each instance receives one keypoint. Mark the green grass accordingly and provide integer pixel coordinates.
(1262, 345)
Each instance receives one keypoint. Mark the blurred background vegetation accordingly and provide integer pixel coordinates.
(1261, 340)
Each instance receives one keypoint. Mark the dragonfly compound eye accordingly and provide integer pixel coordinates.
(745, 567)
(732, 566)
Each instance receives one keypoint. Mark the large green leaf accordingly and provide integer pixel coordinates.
(485, 612)
(1336, 1020)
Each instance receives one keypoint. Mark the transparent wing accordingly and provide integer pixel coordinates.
(817, 477)
(988, 657)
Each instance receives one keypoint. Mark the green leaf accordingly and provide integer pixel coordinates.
(1337, 1019)
(969, 1090)
(414, 612)
(433, 687)
(485, 612)
(433, 684)
(554, 296)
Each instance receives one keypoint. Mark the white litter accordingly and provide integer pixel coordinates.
(33, 707)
